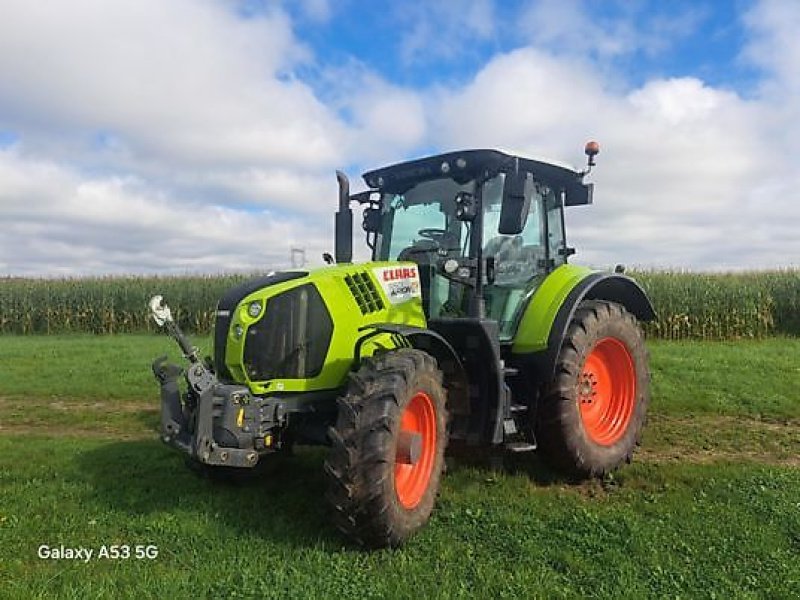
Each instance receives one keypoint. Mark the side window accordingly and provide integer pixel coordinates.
(555, 227)
(492, 199)
(516, 256)
(533, 234)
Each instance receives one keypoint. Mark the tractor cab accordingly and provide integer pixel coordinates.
(484, 227)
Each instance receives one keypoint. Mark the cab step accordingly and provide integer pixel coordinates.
(520, 447)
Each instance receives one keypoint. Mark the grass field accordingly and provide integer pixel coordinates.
(709, 508)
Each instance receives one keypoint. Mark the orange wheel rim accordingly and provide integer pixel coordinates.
(411, 480)
(607, 391)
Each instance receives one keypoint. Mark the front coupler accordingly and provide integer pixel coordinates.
(216, 424)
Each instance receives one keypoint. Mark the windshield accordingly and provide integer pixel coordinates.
(422, 220)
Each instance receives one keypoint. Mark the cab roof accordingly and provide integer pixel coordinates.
(465, 165)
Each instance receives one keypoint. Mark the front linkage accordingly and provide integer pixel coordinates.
(215, 423)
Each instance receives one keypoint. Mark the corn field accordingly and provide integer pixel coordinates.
(108, 304)
(689, 305)
(723, 306)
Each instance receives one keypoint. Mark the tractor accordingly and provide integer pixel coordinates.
(468, 327)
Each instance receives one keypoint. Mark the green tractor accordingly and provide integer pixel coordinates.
(468, 328)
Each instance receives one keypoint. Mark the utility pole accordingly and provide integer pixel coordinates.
(297, 257)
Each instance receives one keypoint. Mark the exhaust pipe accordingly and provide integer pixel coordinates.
(343, 224)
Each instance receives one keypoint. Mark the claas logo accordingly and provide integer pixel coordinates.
(400, 273)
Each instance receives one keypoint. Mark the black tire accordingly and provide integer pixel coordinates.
(583, 443)
(362, 485)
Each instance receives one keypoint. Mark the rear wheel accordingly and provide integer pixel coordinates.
(592, 413)
(387, 448)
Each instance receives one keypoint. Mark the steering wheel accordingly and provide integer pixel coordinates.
(431, 233)
(444, 240)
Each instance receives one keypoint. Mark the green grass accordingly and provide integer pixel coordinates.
(709, 508)
(660, 530)
(759, 377)
(95, 367)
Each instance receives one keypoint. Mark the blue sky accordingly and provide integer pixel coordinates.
(202, 135)
(683, 38)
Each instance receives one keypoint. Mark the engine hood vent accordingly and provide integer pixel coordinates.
(364, 292)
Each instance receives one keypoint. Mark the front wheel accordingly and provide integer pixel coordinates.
(387, 448)
(591, 415)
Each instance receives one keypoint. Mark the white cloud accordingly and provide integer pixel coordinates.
(774, 44)
(133, 107)
(679, 101)
(386, 120)
(177, 135)
(678, 176)
(186, 81)
(566, 27)
(58, 221)
(514, 97)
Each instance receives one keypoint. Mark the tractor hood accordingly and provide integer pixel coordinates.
(294, 331)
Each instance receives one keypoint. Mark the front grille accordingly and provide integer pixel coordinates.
(291, 340)
(228, 304)
(364, 293)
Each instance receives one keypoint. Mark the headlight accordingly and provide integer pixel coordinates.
(254, 309)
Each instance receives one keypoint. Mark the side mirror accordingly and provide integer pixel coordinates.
(372, 220)
(514, 211)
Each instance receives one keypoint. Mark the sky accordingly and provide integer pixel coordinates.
(143, 136)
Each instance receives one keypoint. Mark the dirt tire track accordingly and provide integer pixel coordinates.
(668, 439)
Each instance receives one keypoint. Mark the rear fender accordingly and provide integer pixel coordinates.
(541, 358)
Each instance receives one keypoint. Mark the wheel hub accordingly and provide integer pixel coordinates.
(415, 451)
(606, 391)
(587, 387)
(409, 448)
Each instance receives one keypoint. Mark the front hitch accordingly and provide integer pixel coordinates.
(189, 425)
(174, 422)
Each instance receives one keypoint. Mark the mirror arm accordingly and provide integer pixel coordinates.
(490, 270)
